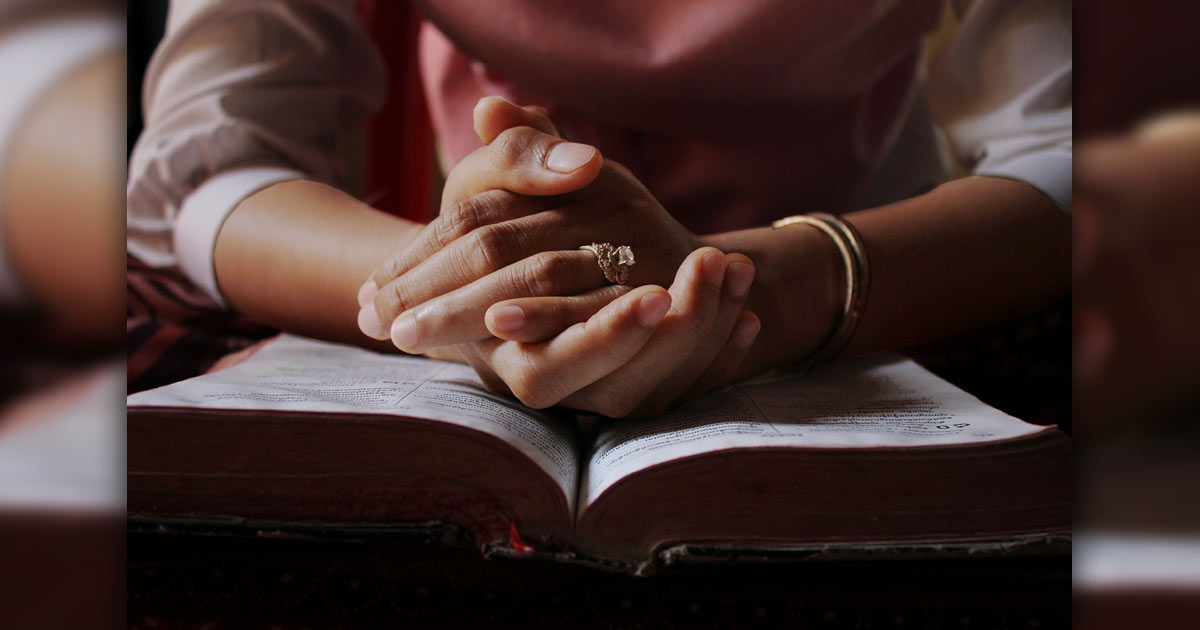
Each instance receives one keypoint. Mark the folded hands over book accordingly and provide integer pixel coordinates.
(499, 275)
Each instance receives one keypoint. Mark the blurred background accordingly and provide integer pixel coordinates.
(65, 129)
(1136, 308)
(62, 156)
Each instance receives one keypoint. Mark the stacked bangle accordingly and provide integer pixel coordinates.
(854, 258)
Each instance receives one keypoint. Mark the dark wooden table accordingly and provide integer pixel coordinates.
(240, 578)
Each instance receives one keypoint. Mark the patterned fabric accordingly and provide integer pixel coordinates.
(174, 331)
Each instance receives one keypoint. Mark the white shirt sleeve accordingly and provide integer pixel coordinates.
(239, 95)
(1001, 91)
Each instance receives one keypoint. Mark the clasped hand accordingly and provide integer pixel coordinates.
(499, 275)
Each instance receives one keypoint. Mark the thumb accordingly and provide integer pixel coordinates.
(525, 161)
(493, 115)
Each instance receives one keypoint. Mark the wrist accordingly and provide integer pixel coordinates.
(294, 255)
(797, 291)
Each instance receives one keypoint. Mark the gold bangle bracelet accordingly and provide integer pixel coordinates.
(854, 258)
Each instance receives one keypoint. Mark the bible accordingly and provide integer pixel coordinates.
(867, 454)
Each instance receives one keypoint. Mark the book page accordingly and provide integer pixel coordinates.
(297, 374)
(881, 401)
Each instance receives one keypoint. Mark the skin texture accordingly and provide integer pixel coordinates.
(479, 250)
(62, 205)
(616, 372)
(462, 263)
(972, 252)
(294, 254)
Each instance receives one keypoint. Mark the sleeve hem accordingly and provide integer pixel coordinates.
(1047, 171)
(204, 211)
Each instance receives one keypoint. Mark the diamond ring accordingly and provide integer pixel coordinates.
(614, 261)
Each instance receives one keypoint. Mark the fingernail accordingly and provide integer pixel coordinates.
(404, 331)
(368, 322)
(738, 278)
(366, 292)
(745, 333)
(653, 308)
(568, 157)
(713, 264)
(507, 318)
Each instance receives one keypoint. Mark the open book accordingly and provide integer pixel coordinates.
(860, 453)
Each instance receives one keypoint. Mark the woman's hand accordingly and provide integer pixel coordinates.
(562, 334)
(513, 216)
(636, 355)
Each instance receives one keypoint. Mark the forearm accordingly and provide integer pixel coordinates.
(293, 256)
(972, 252)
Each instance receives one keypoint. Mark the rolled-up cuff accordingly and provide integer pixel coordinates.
(1047, 171)
(204, 212)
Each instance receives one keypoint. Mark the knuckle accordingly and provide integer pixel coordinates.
(460, 220)
(472, 213)
(396, 299)
(511, 147)
(389, 270)
(489, 246)
(429, 317)
(545, 273)
(529, 387)
(451, 225)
